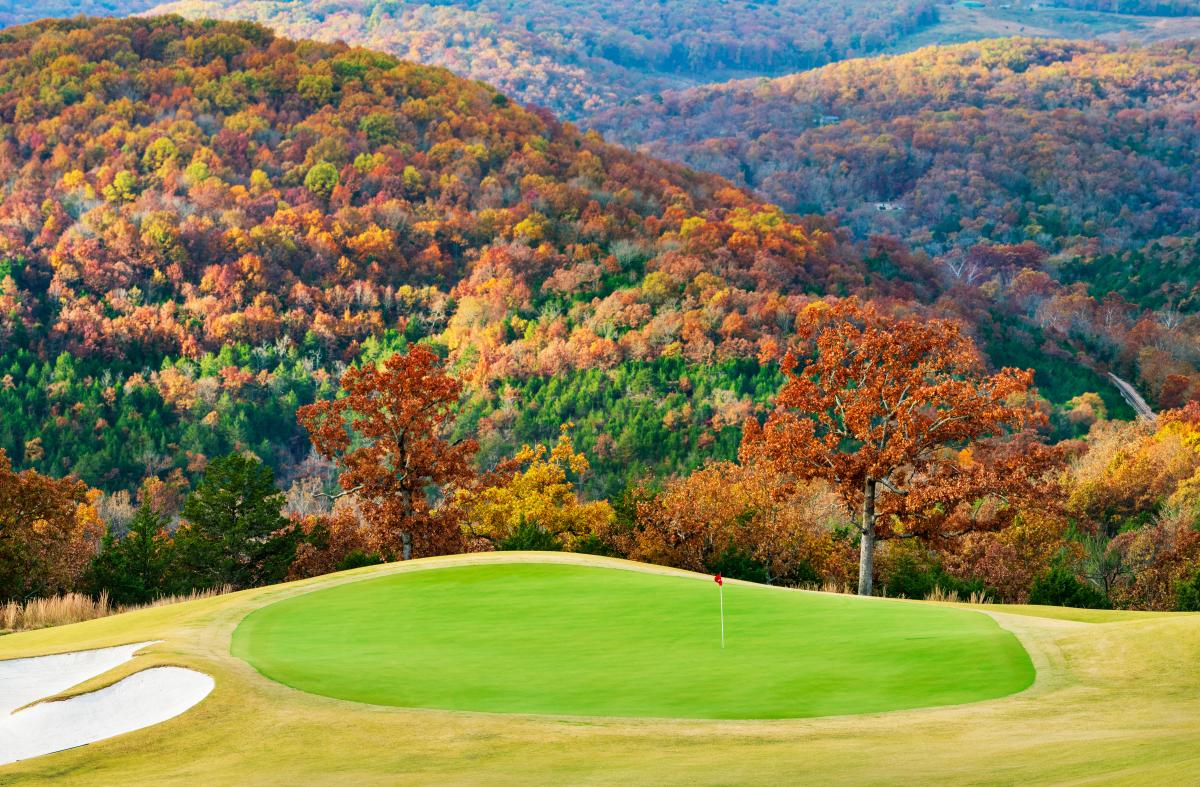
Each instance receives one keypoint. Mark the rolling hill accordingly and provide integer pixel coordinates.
(1112, 696)
(1080, 147)
(206, 222)
(582, 57)
(1083, 154)
(579, 56)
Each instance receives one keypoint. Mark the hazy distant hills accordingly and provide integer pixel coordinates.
(1081, 147)
(578, 57)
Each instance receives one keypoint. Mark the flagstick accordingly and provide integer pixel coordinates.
(722, 587)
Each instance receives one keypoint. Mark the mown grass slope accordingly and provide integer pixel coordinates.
(579, 640)
(1112, 701)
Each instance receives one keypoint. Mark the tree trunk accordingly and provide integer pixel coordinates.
(406, 540)
(866, 547)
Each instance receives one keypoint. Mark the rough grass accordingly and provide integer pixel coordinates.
(586, 641)
(70, 608)
(1113, 702)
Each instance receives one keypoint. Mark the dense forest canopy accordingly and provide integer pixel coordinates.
(205, 221)
(1083, 148)
(582, 56)
(208, 222)
(577, 56)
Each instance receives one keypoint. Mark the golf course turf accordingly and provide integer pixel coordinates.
(1114, 700)
(580, 640)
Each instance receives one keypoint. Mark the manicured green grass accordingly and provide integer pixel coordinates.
(1114, 702)
(580, 640)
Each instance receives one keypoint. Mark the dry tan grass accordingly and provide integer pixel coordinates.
(70, 608)
(954, 597)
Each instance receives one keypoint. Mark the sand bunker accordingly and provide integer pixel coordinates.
(140, 700)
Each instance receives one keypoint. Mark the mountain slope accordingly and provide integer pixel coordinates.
(579, 56)
(1079, 147)
(205, 222)
(1074, 160)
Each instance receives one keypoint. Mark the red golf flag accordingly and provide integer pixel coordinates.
(718, 580)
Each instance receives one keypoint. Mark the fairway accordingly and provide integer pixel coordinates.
(579, 640)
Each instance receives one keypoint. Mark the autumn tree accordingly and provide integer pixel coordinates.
(535, 490)
(745, 521)
(330, 542)
(387, 435)
(48, 531)
(896, 414)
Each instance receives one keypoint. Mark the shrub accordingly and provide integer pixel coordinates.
(910, 577)
(531, 537)
(593, 544)
(1058, 587)
(1187, 594)
(738, 564)
(358, 559)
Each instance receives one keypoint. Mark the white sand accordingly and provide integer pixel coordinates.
(140, 700)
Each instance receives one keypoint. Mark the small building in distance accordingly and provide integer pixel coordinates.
(888, 207)
(828, 120)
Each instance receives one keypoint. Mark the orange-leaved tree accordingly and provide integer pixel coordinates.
(900, 416)
(49, 530)
(387, 433)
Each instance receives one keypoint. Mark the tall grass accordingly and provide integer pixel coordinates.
(67, 608)
(976, 597)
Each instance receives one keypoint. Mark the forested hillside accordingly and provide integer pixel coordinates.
(1070, 145)
(1084, 153)
(1155, 7)
(14, 12)
(577, 56)
(208, 222)
(205, 222)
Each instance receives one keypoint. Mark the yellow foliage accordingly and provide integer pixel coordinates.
(539, 492)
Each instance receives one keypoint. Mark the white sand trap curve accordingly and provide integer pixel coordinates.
(140, 700)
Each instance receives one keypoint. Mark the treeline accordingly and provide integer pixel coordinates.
(14, 13)
(1139, 7)
(579, 56)
(966, 495)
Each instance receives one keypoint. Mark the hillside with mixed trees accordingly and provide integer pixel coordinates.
(1083, 150)
(1080, 147)
(578, 56)
(205, 223)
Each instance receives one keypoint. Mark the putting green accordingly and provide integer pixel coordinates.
(579, 640)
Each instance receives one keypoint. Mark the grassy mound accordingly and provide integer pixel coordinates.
(580, 640)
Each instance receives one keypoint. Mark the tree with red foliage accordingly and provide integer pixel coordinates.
(896, 413)
(387, 435)
(49, 530)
